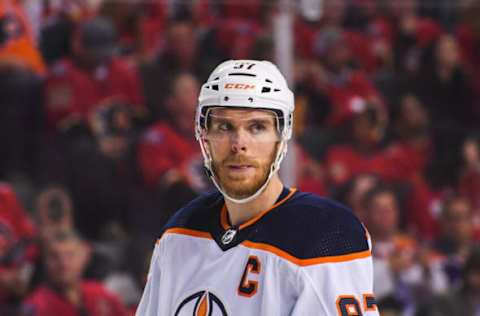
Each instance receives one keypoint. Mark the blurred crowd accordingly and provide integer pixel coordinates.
(97, 105)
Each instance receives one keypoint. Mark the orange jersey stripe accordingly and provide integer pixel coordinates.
(306, 262)
(274, 250)
(186, 231)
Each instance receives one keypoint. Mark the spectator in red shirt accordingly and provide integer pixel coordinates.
(367, 33)
(362, 153)
(337, 77)
(411, 154)
(17, 250)
(16, 227)
(423, 208)
(327, 88)
(77, 86)
(411, 148)
(65, 292)
(167, 153)
(168, 157)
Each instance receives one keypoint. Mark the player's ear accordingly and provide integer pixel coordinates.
(206, 143)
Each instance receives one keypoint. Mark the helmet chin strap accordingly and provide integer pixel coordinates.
(274, 167)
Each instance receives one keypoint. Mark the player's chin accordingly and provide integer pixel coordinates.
(240, 194)
(240, 189)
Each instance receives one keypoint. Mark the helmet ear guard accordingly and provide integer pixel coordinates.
(246, 84)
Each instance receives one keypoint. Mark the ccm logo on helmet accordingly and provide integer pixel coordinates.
(239, 86)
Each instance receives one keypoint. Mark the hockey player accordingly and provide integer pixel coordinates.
(256, 247)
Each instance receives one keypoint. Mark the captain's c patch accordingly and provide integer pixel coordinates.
(247, 287)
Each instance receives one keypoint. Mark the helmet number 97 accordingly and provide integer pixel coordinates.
(246, 65)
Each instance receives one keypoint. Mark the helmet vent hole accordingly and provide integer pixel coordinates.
(241, 74)
(250, 99)
(215, 87)
(276, 90)
(226, 98)
(266, 89)
(268, 80)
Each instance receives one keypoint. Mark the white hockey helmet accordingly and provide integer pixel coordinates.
(246, 84)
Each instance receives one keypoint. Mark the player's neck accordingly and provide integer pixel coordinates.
(239, 213)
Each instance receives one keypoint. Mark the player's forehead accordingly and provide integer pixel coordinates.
(56, 247)
(241, 114)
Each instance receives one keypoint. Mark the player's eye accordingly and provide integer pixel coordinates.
(257, 127)
(224, 127)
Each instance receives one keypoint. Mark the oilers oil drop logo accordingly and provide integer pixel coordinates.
(202, 303)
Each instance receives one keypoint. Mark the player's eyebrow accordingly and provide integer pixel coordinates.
(229, 119)
(220, 119)
(263, 120)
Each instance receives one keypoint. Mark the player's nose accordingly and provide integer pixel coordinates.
(239, 141)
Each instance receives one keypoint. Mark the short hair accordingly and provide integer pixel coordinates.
(376, 191)
(344, 191)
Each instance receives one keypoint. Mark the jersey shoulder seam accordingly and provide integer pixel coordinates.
(309, 261)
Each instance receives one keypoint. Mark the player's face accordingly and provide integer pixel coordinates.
(383, 214)
(458, 223)
(65, 261)
(243, 145)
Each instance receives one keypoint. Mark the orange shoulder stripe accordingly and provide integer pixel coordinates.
(274, 250)
(306, 262)
(186, 231)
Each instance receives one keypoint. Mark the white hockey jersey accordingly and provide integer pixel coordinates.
(304, 256)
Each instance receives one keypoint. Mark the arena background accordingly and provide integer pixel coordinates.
(97, 101)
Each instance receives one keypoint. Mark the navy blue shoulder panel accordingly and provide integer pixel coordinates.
(305, 226)
(197, 214)
(308, 226)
